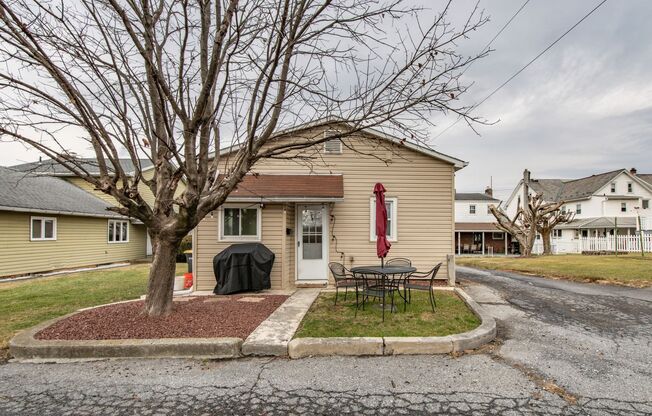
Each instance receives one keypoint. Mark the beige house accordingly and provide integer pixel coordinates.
(48, 223)
(318, 207)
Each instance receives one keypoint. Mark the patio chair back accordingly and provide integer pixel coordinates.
(338, 271)
(399, 261)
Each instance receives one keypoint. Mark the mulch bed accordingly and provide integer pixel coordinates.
(202, 317)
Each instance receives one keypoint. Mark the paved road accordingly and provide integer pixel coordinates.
(563, 348)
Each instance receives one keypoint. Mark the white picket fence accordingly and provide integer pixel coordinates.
(627, 243)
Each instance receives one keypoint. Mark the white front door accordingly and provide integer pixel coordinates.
(312, 242)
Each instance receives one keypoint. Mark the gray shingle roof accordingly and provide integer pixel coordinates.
(569, 189)
(52, 167)
(22, 191)
(599, 222)
(647, 177)
(459, 196)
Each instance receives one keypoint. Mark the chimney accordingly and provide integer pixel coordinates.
(633, 171)
(489, 192)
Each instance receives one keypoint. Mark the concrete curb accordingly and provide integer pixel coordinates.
(486, 332)
(25, 347)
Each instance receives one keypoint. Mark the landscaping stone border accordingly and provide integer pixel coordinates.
(25, 346)
(486, 332)
(271, 338)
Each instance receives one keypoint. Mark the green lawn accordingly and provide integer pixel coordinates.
(631, 269)
(26, 303)
(326, 320)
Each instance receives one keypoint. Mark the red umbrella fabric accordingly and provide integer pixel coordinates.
(382, 245)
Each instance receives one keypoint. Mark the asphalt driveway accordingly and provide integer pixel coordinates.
(563, 348)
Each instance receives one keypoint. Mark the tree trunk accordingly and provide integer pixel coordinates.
(547, 246)
(160, 286)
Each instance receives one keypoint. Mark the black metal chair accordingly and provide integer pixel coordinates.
(422, 281)
(399, 261)
(343, 278)
(376, 285)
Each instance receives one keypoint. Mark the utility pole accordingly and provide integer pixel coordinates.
(640, 230)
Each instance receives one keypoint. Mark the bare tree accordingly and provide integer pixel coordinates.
(548, 222)
(176, 80)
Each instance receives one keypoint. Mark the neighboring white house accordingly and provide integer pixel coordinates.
(475, 229)
(602, 204)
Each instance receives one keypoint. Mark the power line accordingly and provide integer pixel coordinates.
(563, 35)
(502, 29)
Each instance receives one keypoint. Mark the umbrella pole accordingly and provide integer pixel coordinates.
(382, 262)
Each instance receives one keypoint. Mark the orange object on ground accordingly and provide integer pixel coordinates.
(187, 280)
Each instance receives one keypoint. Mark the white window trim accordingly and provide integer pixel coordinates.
(613, 187)
(43, 219)
(630, 187)
(475, 209)
(623, 205)
(393, 232)
(235, 238)
(558, 232)
(121, 241)
(578, 208)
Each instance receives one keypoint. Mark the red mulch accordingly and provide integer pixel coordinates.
(195, 318)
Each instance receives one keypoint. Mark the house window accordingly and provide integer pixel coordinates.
(613, 187)
(623, 207)
(240, 223)
(646, 204)
(118, 231)
(578, 208)
(585, 233)
(630, 187)
(391, 204)
(471, 209)
(556, 233)
(333, 146)
(43, 229)
(497, 236)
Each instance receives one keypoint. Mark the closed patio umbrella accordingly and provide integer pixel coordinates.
(382, 245)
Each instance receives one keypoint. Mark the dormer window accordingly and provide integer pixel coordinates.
(333, 146)
(630, 187)
(613, 187)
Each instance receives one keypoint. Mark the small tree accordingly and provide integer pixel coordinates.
(176, 80)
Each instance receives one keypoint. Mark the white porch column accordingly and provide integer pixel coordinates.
(505, 243)
(459, 241)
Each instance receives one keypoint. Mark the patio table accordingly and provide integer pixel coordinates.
(390, 280)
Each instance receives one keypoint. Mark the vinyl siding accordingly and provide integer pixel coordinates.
(81, 241)
(423, 186)
(208, 245)
(144, 190)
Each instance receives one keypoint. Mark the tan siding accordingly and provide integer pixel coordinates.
(79, 182)
(424, 187)
(208, 245)
(81, 241)
(144, 190)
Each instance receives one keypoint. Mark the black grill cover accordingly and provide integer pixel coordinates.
(243, 267)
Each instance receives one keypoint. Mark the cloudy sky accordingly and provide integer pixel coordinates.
(584, 107)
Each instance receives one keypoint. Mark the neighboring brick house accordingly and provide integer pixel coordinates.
(475, 229)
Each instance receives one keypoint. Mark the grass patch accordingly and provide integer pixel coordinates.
(631, 269)
(451, 316)
(26, 303)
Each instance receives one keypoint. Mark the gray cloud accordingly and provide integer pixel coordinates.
(582, 108)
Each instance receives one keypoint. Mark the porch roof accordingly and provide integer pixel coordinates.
(282, 187)
(476, 226)
(599, 222)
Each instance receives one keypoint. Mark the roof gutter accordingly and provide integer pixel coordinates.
(284, 199)
(72, 213)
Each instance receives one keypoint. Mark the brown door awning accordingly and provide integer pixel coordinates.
(289, 188)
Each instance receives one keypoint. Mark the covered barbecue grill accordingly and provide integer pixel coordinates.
(243, 267)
